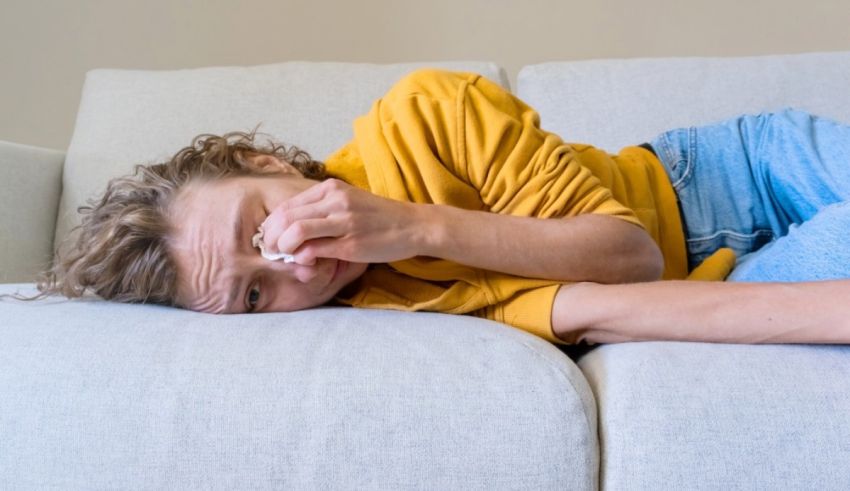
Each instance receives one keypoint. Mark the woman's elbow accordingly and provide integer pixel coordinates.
(653, 263)
(641, 262)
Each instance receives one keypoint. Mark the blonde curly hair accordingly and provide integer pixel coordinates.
(120, 251)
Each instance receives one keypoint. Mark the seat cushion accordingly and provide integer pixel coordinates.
(129, 117)
(722, 416)
(101, 395)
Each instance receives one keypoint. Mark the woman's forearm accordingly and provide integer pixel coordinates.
(588, 247)
(810, 312)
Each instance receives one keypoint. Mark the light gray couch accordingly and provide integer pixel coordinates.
(96, 395)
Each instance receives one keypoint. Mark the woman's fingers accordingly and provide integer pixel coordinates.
(304, 230)
(279, 221)
(313, 249)
(313, 194)
(315, 202)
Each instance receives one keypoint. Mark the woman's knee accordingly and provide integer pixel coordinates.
(817, 249)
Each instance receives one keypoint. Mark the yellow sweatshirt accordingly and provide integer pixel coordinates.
(459, 139)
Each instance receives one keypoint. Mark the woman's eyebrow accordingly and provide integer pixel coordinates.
(236, 220)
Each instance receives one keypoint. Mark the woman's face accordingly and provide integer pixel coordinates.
(218, 269)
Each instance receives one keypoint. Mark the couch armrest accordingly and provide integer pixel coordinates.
(31, 182)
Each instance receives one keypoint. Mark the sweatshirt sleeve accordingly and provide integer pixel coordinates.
(521, 169)
(458, 138)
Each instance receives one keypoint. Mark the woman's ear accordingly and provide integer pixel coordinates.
(269, 164)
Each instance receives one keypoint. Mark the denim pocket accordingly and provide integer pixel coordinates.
(677, 153)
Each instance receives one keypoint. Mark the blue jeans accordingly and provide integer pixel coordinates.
(774, 187)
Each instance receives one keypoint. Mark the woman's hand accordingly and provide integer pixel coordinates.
(336, 220)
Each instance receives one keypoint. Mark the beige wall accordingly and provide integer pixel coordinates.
(46, 46)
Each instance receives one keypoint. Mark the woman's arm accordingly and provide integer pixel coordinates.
(335, 219)
(588, 247)
(810, 312)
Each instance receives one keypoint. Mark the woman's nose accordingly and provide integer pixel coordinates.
(305, 273)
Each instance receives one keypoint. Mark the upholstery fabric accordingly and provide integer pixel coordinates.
(717, 416)
(129, 117)
(614, 103)
(97, 395)
(31, 180)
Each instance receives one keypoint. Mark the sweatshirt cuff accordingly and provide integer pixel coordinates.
(530, 311)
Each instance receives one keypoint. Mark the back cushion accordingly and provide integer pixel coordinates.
(127, 117)
(613, 103)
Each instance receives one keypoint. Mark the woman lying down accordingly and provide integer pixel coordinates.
(451, 198)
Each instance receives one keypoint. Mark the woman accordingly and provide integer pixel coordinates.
(439, 201)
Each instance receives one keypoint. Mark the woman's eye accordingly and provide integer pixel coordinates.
(253, 297)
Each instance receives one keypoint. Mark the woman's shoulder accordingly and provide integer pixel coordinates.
(431, 82)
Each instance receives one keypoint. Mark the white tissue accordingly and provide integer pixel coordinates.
(287, 258)
(257, 240)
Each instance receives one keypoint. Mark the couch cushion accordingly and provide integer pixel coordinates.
(613, 103)
(128, 117)
(716, 416)
(100, 395)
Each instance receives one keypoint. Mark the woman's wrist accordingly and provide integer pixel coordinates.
(429, 230)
